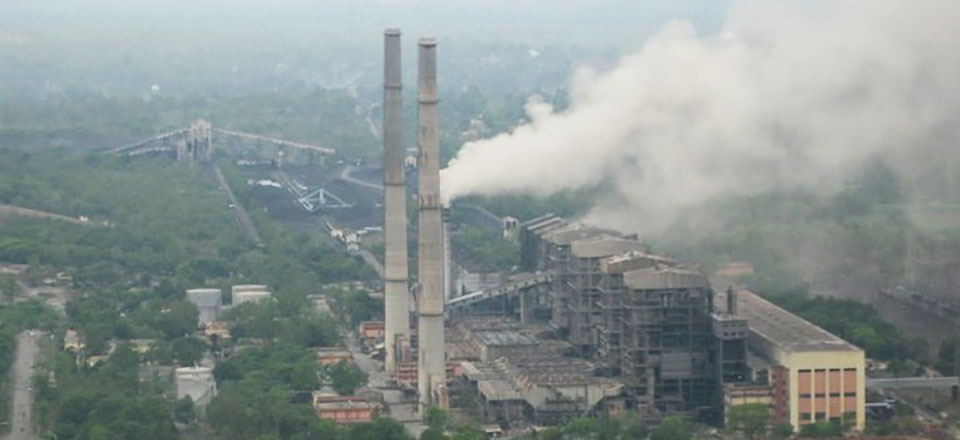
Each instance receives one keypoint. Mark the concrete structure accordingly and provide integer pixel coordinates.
(208, 302)
(250, 296)
(654, 326)
(344, 409)
(431, 360)
(196, 382)
(814, 375)
(396, 286)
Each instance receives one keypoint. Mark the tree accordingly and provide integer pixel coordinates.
(187, 350)
(673, 428)
(783, 430)
(183, 410)
(947, 356)
(436, 417)
(750, 418)
(381, 428)
(432, 433)
(9, 287)
(346, 377)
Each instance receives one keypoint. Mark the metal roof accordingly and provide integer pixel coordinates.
(787, 331)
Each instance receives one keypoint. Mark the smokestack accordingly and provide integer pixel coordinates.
(432, 357)
(395, 289)
(731, 301)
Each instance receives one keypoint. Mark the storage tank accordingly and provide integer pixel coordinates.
(196, 382)
(207, 302)
(250, 296)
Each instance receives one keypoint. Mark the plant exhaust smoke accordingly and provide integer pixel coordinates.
(789, 95)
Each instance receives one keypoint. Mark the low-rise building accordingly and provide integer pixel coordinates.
(371, 330)
(330, 356)
(344, 409)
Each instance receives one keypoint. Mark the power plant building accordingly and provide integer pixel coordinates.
(644, 332)
(596, 324)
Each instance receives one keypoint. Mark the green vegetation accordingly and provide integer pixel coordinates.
(948, 357)
(355, 305)
(14, 319)
(751, 419)
(486, 250)
(103, 401)
(345, 377)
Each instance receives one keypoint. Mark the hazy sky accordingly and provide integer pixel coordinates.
(619, 23)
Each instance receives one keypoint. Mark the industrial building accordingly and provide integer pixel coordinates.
(344, 409)
(812, 374)
(632, 330)
(208, 302)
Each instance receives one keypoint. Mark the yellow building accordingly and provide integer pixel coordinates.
(813, 375)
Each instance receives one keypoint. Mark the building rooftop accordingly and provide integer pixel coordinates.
(505, 337)
(634, 260)
(784, 329)
(664, 278)
(604, 246)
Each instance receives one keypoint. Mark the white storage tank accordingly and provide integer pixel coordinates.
(250, 296)
(196, 382)
(208, 303)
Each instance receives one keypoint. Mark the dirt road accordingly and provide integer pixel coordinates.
(9, 210)
(21, 427)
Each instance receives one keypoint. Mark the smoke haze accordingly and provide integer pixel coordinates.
(786, 96)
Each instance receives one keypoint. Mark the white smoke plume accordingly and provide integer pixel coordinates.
(787, 95)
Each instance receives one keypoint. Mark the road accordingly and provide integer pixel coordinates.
(397, 407)
(21, 427)
(249, 229)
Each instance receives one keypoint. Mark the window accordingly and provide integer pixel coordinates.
(820, 370)
(819, 395)
(804, 395)
(850, 369)
(850, 415)
(821, 416)
(834, 370)
(834, 394)
(805, 416)
(850, 394)
(803, 371)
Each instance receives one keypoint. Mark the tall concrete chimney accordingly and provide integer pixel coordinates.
(431, 350)
(395, 289)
